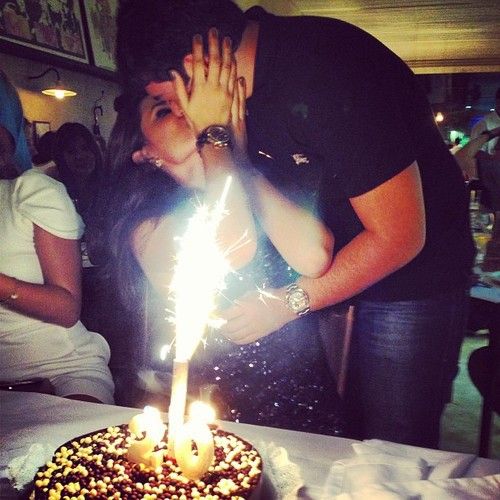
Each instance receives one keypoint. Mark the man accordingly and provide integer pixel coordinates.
(488, 123)
(333, 113)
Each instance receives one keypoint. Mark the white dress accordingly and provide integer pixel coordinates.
(74, 359)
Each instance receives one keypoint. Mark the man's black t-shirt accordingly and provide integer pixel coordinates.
(334, 114)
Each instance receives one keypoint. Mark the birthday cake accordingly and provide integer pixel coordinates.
(96, 466)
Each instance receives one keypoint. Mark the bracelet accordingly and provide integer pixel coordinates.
(13, 295)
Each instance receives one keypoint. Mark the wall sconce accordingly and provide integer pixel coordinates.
(58, 90)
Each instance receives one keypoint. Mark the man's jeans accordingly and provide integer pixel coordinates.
(404, 358)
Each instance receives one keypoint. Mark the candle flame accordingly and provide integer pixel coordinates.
(201, 412)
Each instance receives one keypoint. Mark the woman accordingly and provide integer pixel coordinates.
(79, 164)
(283, 380)
(40, 335)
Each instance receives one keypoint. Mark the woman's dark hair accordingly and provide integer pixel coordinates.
(153, 36)
(128, 195)
(65, 136)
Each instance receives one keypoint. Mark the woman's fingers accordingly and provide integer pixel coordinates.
(180, 89)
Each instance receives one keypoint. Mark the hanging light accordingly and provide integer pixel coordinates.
(58, 90)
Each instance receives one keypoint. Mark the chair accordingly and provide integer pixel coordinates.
(484, 371)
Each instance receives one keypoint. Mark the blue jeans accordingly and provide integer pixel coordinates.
(404, 358)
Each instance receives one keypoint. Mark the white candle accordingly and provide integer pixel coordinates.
(150, 429)
(197, 430)
(177, 406)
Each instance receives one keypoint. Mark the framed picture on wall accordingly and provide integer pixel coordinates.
(39, 128)
(101, 21)
(51, 27)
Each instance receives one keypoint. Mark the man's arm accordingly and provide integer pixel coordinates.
(393, 216)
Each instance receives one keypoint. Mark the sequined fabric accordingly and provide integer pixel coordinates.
(282, 380)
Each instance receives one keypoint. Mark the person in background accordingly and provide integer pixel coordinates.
(40, 266)
(467, 156)
(79, 164)
(13, 123)
(487, 124)
(43, 160)
(150, 202)
(338, 115)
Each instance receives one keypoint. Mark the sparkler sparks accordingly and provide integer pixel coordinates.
(199, 276)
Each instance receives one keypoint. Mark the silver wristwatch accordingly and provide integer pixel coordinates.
(297, 299)
(217, 135)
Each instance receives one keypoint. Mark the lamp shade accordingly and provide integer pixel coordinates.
(59, 91)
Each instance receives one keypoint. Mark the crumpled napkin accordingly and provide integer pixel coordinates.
(21, 470)
(379, 462)
(282, 476)
(465, 488)
(442, 464)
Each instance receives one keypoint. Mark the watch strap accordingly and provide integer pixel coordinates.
(290, 290)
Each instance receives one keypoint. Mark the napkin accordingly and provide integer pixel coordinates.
(442, 464)
(21, 470)
(283, 477)
(380, 462)
(466, 488)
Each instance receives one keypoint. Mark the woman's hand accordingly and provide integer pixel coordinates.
(209, 99)
(255, 315)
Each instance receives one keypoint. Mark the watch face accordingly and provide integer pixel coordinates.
(218, 135)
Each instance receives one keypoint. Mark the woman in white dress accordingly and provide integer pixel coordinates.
(40, 273)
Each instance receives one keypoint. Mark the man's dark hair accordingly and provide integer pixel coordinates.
(154, 35)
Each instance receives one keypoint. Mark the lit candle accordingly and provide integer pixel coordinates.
(150, 429)
(195, 429)
(177, 402)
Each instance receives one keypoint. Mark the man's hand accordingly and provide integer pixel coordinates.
(210, 97)
(256, 315)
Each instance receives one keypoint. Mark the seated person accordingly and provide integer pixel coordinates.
(40, 335)
(78, 161)
(43, 159)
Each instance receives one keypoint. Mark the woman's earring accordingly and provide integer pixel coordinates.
(156, 162)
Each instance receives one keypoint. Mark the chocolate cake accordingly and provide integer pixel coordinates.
(96, 466)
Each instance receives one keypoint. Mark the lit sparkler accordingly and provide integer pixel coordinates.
(199, 276)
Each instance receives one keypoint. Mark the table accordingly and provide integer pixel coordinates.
(27, 418)
(490, 296)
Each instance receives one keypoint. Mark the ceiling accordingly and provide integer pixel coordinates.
(432, 36)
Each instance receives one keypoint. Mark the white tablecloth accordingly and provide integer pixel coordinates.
(28, 418)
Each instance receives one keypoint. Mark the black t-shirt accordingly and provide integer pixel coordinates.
(334, 114)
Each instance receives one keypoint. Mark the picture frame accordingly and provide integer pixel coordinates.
(54, 28)
(39, 129)
(100, 18)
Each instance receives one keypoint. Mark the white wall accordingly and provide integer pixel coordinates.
(38, 107)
